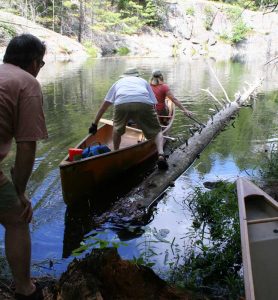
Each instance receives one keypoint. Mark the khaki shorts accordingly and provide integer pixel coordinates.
(142, 114)
(8, 196)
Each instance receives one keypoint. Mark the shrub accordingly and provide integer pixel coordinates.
(209, 17)
(269, 166)
(239, 32)
(190, 11)
(7, 31)
(212, 262)
(90, 49)
(239, 29)
(122, 51)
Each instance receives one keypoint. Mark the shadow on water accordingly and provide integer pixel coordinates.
(92, 213)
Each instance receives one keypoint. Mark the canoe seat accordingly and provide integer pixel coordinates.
(264, 220)
(169, 117)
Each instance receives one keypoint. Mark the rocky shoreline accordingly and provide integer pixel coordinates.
(183, 35)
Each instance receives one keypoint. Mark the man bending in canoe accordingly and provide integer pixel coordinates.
(134, 99)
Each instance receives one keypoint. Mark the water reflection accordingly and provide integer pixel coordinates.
(98, 211)
(72, 94)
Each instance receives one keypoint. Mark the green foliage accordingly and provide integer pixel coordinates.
(213, 261)
(7, 30)
(95, 242)
(251, 4)
(190, 11)
(122, 51)
(239, 32)
(90, 49)
(224, 36)
(234, 13)
(70, 5)
(148, 249)
(266, 2)
(107, 20)
(130, 19)
(269, 164)
(145, 14)
(209, 17)
(141, 261)
(239, 28)
(131, 25)
(151, 13)
(64, 50)
(122, 4)
(247, 4)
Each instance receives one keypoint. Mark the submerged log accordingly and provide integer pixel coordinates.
(144, 195)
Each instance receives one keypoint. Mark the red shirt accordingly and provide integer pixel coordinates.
(160, 92)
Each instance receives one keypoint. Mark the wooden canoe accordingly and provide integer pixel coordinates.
(81, 179)
(258, 214)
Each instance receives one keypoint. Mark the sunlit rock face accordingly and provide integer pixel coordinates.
(190, 29)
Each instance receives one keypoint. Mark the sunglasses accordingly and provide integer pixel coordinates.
(42, 63)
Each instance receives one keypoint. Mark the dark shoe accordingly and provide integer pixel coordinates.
(162, 162)
(36, 295)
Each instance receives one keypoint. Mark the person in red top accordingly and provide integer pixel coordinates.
(161, 91)
(22, 120)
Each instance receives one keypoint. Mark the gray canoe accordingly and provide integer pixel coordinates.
(258, 214)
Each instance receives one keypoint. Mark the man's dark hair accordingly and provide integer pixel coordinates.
(23, 49)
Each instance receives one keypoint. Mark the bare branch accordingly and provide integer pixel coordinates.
(213, 73)
(210, 93)
(271, 60)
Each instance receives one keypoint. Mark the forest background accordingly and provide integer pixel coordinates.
(219, 29)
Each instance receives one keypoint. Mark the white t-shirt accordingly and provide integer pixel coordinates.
(131, 89)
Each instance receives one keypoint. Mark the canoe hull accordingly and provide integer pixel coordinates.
(84, 178)
(259, 239)
(81, 180)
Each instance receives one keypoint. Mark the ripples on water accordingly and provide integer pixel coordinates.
(72, 95)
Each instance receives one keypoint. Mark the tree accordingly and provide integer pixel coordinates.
(81, 21)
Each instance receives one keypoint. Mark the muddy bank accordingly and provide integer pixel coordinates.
(104, 275)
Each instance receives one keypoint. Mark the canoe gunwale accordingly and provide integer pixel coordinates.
(247, 191)
(65, 163)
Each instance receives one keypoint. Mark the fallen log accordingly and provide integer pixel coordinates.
(144, 195)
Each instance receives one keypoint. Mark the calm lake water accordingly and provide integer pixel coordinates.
(72, 95)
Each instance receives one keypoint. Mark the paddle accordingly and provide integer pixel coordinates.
(193, 119)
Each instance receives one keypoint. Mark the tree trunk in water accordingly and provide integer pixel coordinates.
(141, 198)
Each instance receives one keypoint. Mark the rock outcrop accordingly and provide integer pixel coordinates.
(190, 29)
(59, 47)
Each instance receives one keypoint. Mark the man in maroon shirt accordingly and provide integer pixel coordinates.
(21, 119)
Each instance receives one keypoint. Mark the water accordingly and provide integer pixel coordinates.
(72, 95)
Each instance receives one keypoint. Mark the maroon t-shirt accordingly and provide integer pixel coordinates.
(21, 109)
(160, 92)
